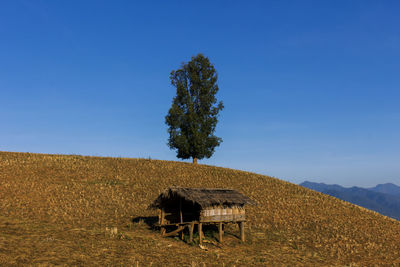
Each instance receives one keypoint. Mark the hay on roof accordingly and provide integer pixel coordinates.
(204, 197)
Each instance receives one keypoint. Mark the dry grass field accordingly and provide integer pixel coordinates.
(76, 210)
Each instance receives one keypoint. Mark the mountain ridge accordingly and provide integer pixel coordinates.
(387, 188)
(373, 198)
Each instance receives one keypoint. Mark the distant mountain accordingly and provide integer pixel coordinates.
(388, 188)
(384, 198)
(322, 187)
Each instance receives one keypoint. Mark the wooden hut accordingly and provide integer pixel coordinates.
(187, 207)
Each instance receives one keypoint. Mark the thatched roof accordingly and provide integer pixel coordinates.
(204, 197)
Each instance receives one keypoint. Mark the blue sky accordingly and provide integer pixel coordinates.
(310, 88)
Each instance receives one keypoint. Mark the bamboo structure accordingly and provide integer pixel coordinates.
(185, 207)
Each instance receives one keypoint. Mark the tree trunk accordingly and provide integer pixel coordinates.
(194, 160)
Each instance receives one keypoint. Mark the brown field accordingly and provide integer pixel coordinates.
(58, 210)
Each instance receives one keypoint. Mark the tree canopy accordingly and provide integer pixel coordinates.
(193, 116)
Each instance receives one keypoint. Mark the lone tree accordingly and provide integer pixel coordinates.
(193, 115)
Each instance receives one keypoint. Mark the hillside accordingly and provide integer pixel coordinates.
(58, 209)
(372, 198)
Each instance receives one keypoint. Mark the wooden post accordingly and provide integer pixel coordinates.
(220, 231)
(241, 226)
(163, 230)
(181, 235)
(162, 216)
(191, 228)
(180, 209)
(200, 233)
(181, 217)
(162, 222)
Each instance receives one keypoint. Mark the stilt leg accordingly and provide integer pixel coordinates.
(181, 235)
(220, 231)
(191, 228)
(241, 226)
(162, 231)
(162, 214)
(200, 233)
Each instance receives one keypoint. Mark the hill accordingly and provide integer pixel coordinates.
(58, 209)
(388, 188)
(372, 198)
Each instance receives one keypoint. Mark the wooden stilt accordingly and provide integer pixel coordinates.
(162, 216)
(191, 228)
(181, 235)
(241, 226)
(200, 233)
(163, 230)
(220, 231)
(162, 222)
(181, 217)
(180, 210)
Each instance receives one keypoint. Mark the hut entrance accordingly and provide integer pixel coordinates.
(190, 207)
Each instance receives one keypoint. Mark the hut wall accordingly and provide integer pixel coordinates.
(220, 213)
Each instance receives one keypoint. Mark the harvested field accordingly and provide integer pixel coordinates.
(76, 210)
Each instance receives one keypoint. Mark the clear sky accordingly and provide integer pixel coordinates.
(311, 88)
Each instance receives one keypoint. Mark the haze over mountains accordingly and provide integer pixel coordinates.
(383, 198)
